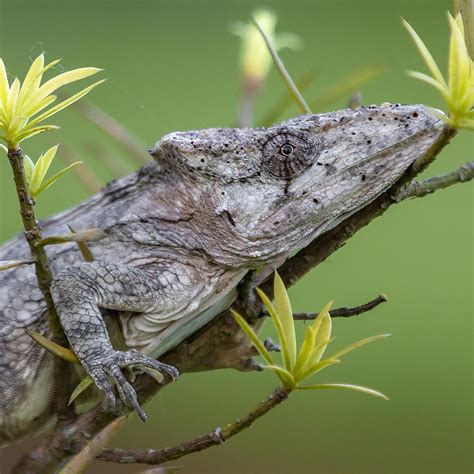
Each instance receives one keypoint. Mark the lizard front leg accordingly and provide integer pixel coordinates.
(78, 294)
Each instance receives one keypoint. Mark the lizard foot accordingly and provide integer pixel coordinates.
(111, 365)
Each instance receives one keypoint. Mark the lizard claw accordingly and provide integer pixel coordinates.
(112, 365)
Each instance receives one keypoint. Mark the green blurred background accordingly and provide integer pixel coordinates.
(173, 65)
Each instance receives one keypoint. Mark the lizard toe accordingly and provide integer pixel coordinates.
(135, 358)
(103, 384)
(127, 392)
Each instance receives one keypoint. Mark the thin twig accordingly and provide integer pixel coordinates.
(345, 312)
(114, 164)
(214, 438)
(115, 130)
(418, 189)
(282, 104)
(8, 264)
(283, 72)
(83, 173)
(79, 462)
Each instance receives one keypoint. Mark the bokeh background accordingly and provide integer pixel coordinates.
(173, 65)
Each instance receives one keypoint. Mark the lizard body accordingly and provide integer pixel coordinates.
(182, 232)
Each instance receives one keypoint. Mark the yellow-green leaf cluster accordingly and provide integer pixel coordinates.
(25, 105)
(300, 364)
(35, 173)
(458, 90)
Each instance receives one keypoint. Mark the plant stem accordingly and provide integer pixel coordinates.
(44, 277)
(214, 438)
(33, 237)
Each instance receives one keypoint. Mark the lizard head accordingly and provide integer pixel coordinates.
(267, 192)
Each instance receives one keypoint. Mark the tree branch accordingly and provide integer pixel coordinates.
(214, 438)
(345, 312)
(422, 188)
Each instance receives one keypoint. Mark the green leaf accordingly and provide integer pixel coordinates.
(425, 54)
(41, 168)
(317, 368)
(4, 86)
(30, 132)
(253, 337)
(344, 386)
(65, 78)
(32, 78)
(83, 384)
(432, 82)
(55, 177)
(323, 334)
(285, 314)
(65, 103)
(279, 327)
(29, 168)
(358, 344)
(459, 63)
(54, 348)
(285, 376)
(305, 351)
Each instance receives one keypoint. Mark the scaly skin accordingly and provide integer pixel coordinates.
(182, 232)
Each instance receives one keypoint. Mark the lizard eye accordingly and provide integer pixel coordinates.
(287, 154)
(286, 149)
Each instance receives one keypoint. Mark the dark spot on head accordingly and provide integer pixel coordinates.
(353, 133)
(370, 118)
(369, 142)
(395, 118)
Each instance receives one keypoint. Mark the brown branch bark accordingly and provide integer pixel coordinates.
(220, 343)
(214, 438)
(345, 312)
(418, 189)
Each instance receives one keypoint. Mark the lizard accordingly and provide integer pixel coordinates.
(181, 233)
